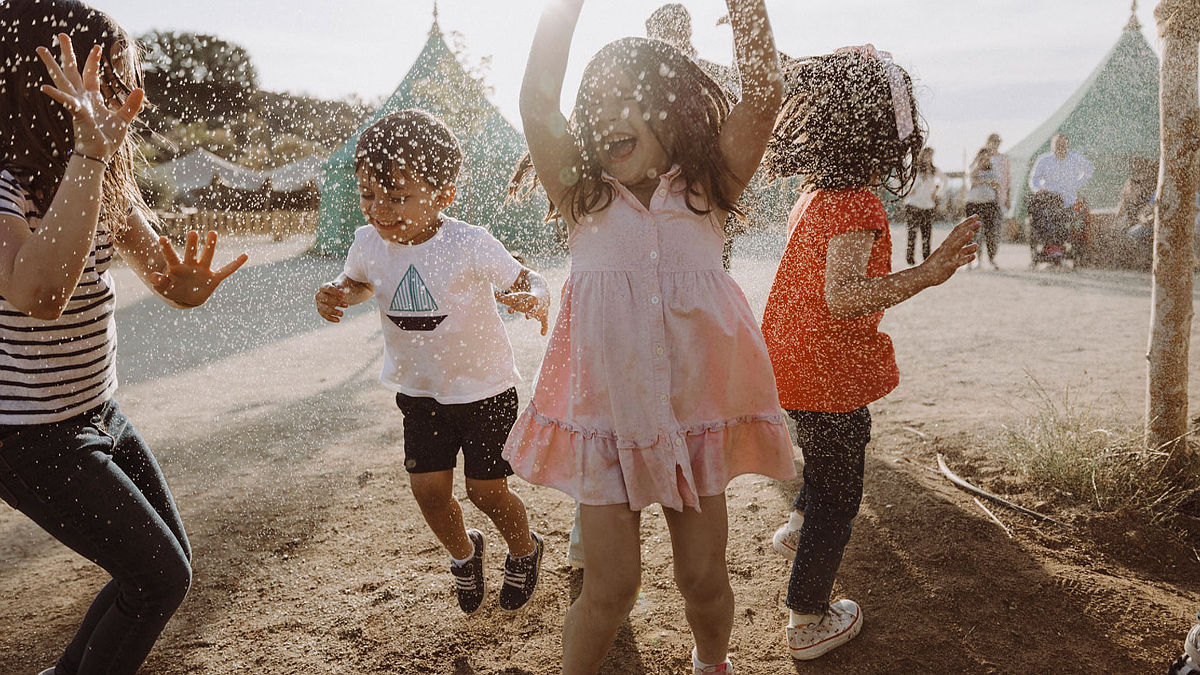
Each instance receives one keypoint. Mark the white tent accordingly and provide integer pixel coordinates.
(294, 176)
(200, 169)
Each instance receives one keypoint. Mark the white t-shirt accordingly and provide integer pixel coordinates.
(921, 194)
(442, 334)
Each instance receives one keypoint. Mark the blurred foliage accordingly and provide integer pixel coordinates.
(204, 94)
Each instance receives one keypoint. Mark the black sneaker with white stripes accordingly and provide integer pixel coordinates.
(521, 576)
(468, 577)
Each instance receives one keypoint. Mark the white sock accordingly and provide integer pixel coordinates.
(799, 619)
(795, 520)
(460, 563)
(697, 663)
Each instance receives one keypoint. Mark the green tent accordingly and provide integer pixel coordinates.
(1112, 119)
(438, 83)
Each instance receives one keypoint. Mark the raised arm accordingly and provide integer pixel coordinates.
(745, 133)
(39, 270)
(850, 293)
(550, 146)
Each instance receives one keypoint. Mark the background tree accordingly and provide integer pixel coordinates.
(1167, 424)
(195, 77)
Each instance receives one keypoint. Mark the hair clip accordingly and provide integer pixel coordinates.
(901, 102)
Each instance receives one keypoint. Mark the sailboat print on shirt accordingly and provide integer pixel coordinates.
(413, 296)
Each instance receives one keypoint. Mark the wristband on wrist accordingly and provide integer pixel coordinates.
(76, 153)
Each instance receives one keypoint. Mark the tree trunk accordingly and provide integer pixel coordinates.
(1174, 212)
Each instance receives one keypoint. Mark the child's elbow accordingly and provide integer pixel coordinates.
(838, 304)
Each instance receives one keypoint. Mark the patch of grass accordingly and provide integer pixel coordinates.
(1067, 450)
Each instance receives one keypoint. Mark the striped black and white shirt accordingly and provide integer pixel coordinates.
(53, 370)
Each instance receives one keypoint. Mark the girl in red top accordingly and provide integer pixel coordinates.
(848, 126)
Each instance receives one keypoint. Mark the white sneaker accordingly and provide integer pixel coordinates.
(725, 668)
(787, 538)
(1191, 645)
(839, 625)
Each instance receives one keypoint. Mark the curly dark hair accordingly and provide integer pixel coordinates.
(413, 142)
(837, 126)
(36, 133)
(684, 108)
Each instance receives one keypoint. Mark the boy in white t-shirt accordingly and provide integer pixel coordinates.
(447, 353)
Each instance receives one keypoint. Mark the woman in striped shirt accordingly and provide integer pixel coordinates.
(69, 459)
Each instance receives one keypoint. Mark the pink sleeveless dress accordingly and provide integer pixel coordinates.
(656, 385)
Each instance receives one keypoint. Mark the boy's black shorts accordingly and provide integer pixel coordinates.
(433, 433)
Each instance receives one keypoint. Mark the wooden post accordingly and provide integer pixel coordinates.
(1174, 212)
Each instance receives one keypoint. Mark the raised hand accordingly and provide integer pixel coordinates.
(190, 281)
(957, 250)
(100, 126)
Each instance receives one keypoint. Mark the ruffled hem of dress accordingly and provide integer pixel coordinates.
(596, 468)
(642, 444)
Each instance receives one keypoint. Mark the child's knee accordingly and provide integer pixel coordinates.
(617, 598)
(488, 494)
(431, 493)
(703, 585)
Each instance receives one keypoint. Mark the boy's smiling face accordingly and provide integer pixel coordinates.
(406, 213)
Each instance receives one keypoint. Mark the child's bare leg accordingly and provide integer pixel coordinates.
(612, 555)
(506, 510)
(698, 541)
(434, 492)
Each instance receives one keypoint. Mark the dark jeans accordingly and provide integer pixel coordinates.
(834, 448)
(919, 221)
(91, 482)
(989, 218)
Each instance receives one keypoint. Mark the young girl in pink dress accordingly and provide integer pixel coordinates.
(656, 386)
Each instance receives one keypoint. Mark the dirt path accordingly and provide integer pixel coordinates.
(285, 457)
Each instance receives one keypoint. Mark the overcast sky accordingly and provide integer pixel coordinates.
(1000, 65)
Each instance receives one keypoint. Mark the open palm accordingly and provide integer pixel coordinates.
(100, 127)
(190, 280)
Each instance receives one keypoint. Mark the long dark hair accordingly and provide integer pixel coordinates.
(684, 108)
(837, 126)
(36, 135)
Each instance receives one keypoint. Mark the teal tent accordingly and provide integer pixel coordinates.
(439, 84)
(1112, 119)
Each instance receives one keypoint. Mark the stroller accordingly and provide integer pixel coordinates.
(1056, 232)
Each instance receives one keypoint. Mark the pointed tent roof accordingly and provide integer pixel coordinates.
(1111, 118)
(491, 153)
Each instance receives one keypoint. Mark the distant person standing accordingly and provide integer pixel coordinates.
(983, 201)
(1003, 166)
(921, 204)
(672, 24)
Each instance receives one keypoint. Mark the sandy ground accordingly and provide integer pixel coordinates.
(285, 456)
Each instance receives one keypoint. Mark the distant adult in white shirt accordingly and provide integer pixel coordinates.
(1062, 171)
(920, 205)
